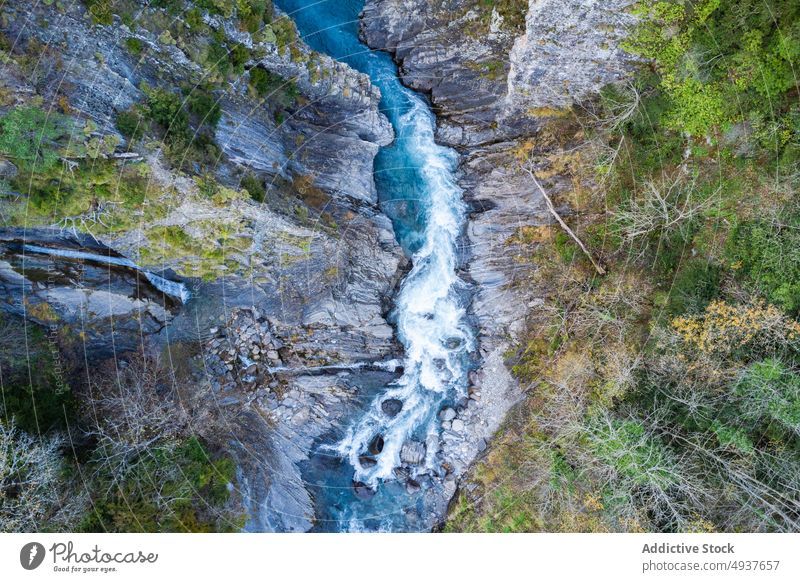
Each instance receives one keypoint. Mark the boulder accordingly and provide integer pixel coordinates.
(391, 407)
(447, 414)
(376, 446)
(363, 491)
(412, 453)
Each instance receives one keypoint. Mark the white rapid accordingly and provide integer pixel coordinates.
(431, 319)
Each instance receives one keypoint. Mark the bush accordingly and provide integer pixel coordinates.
(101, 11)
(766, 256)
(149, 472)
(134, 45)
(254, 187)
(35, 395)
(279, 91)
(205, 106)
(28, 135)
(694, 286)
(131, 124)
(166, 109)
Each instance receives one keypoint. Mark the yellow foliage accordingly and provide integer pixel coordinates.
(724, 327)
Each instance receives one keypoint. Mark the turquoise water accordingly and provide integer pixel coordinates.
(417, 190)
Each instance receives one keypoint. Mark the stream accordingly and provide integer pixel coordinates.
(416, 187)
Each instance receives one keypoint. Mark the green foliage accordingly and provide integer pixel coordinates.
(512, 11)
(254, 186)
(205, 106)
(285, 33)
(34, 392)
(634, 454)
(28, 135)
(766, 255)
(770, 391)
(226, 56)
(696, 283)
(172, 489)
(131, 124)
(185, 147)
(166, 109)
(756, 39)
(134, 45)
(102, 11)
(271, 86)
(253, 14)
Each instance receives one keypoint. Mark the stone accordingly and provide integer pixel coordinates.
(412, 453)
(401, 473)
(367, 462)
(301, 417)
(376, 446)
(391, 407)
(458, 425)
(7, 169)
(412, 487)
(363, 491)
(447, 414)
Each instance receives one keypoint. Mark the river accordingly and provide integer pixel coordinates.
(417, 189)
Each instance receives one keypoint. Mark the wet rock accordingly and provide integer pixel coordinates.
(363, 491)
(367, 462)
(453, 343)
(391, 407)
(412, 487)
(447, 414)
(376, 446)
(401, 473)
(412, 453)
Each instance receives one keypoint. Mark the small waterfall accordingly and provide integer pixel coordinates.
(172, 288)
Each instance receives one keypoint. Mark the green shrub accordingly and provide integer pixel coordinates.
(28, 135)
(278, 90)
(35, 393)
(766, 255)
(253, 14)
(205, 106)
(254, 187)
(695, 284)
(101, 11)
(134, 45)
(171, 489)
(131, 124)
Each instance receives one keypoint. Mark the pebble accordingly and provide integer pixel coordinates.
(447, 414)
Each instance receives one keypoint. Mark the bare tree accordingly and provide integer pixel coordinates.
(134, 407)
(33, 495)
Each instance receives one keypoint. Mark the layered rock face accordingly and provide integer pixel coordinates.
(317, 261)
(495, 75)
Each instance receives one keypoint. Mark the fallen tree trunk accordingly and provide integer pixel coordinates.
(551, 207)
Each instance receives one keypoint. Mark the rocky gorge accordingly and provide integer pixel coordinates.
(290, 295)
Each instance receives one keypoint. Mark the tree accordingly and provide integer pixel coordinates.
(33, 495)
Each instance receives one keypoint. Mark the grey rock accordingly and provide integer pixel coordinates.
(447, 414)
(412, 452)
(391, 407)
